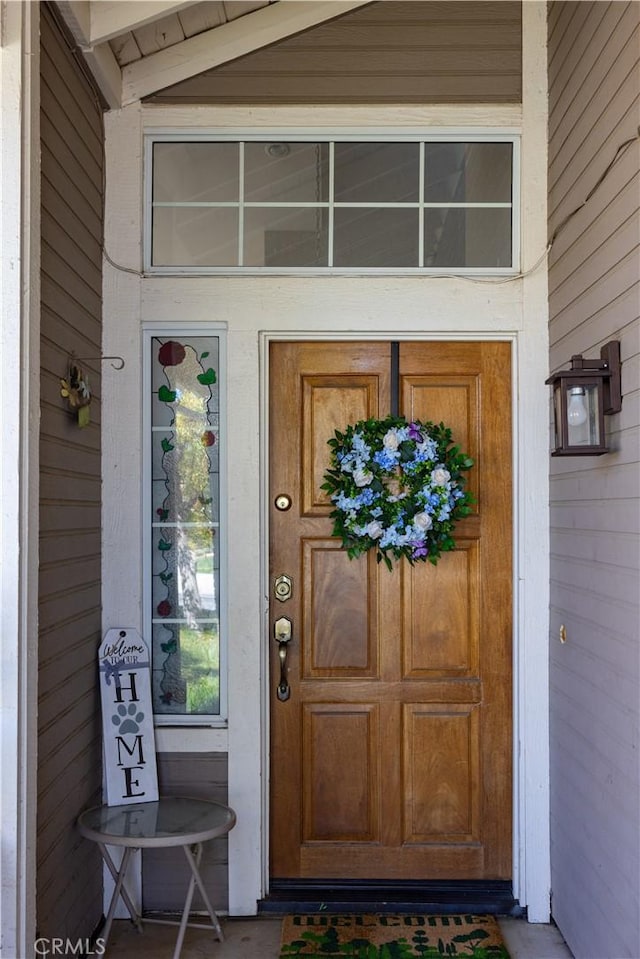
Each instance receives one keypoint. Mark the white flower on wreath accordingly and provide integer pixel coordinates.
(422, 521)
(362, 477)
(440, 476)
(390, 440)
(374, 529)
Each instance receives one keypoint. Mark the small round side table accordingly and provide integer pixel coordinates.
(171, 821)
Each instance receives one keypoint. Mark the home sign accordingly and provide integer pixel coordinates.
(127, 719)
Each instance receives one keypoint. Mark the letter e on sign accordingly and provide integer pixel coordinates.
(127, 719)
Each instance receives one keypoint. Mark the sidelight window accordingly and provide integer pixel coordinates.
(184, 527)
(343, 205)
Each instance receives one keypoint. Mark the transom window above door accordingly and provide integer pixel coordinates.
(288, 205)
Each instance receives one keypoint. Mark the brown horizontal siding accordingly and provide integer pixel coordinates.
(67, 116)
(66, 546)
(612, 25)
(604, 98)
(361, 89)
(625, 305)
(584, 295)
(608, 208)
(69, 871)
(594, 284)
(165, 872)
(60, 143)
(415, 52)
(83, 234)
(73, 289)
(70, 302)
(56, 178)
(77, 653)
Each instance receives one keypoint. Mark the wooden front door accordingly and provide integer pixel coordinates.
(391, 758)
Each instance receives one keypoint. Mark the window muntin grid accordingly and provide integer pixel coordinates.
(310, 205)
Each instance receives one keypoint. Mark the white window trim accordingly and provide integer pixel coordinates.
(337, 135)
(149, 331)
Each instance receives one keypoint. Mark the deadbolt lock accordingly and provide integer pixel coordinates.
(283, 587)
(283, 502)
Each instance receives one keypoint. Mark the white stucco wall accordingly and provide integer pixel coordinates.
(255, 308)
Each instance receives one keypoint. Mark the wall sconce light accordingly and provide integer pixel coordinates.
(581, 398)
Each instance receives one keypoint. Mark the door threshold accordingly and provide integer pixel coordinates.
(430, 897)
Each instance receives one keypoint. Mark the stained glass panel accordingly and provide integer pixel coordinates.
(185, 525)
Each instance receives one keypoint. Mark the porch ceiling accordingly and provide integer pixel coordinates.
(139, 47)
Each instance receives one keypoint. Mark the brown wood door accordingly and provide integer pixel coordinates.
(392, 757)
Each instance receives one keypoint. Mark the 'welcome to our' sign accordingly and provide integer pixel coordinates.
(127, 719)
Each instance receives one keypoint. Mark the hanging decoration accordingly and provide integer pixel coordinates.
(75, 387)
(76, 391)
(397, 487)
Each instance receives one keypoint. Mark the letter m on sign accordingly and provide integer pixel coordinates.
(127, 718)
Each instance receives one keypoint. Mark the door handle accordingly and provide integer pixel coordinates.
(282, 633)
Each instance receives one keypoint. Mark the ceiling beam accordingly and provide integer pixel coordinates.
(106, 70)
(100, 60)
(110, 18)
(227, 42)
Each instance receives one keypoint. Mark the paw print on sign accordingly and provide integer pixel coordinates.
(127, 719)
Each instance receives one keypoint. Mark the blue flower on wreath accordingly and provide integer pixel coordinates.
(387, 459)
(366, 497)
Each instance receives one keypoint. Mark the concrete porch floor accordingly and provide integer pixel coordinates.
(260, 939)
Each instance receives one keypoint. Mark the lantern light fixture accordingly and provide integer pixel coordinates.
(582, 397)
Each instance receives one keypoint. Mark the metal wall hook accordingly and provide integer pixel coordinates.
(89, 359)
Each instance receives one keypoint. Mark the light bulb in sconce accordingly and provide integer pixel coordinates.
(576, 410)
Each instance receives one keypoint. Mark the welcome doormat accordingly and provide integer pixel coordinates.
(368, 936)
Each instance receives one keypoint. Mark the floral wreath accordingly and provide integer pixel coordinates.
(397, 487)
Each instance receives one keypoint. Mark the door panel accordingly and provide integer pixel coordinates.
(339, 626)
(440, 616)
(349, 814)
(392, 757)
(441, 753)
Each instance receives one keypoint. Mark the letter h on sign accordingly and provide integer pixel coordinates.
(127, 719)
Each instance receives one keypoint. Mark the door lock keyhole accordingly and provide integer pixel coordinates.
(283, 587)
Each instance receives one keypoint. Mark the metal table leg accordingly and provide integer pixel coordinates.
(120, 889)
(195, 880)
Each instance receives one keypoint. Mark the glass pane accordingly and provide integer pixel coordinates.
(467, 237)
(582, 415)
(376, 172)
(467, 172)
(557, 417)
(204, 172)
(185, 502)
(276, 236)
(286, 172)
(184, 380)
(375, 238)
(186, 668)
(184, 568)
(194, 236)
(172, 501)
(179, 367)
